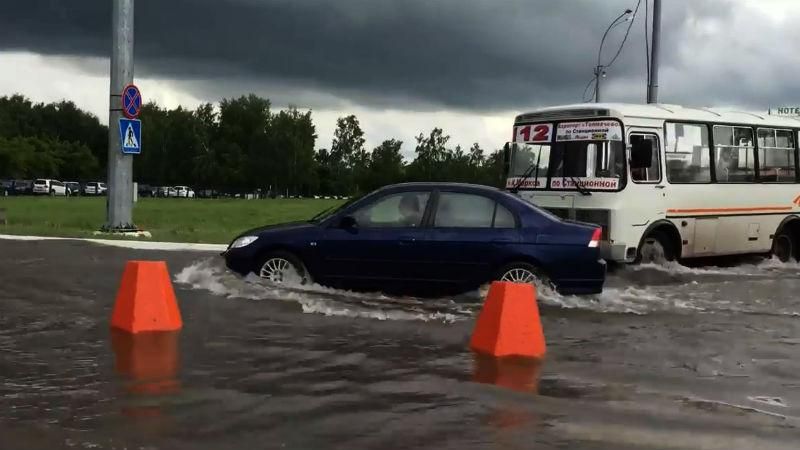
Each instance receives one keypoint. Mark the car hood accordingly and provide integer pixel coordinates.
(278, 228)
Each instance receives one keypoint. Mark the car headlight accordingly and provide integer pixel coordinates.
(243, 241)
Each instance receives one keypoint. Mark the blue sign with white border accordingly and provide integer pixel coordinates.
(130, 136)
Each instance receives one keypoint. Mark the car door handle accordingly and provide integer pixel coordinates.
(406, 240)
(501, 241)
(660, 186)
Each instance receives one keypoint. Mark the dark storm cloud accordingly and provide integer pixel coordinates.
(471, 54)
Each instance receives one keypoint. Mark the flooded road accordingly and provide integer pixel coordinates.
(665, 358)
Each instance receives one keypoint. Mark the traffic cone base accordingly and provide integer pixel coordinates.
(509, 323)
(146, 299)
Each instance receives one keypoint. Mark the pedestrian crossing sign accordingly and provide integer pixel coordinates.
(130, 136)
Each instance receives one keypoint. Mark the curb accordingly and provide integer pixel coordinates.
(135, 245)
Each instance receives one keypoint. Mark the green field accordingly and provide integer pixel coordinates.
(168, 219)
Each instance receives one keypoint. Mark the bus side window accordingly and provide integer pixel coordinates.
(649, 170)
(735, 154)
(687, 153)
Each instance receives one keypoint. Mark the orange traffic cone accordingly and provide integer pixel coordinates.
(146, 300)
(509, 323)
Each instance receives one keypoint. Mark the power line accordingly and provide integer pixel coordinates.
(585, 90)
(621, 45)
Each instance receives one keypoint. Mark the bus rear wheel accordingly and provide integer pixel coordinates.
(656, 248)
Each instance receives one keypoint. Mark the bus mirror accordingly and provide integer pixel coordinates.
(641, 152)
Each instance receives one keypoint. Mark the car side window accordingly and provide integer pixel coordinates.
(503, 218)
(403, 210)
(457, 210)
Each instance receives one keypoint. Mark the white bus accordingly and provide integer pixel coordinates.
(665, 182)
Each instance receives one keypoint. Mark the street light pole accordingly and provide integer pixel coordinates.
(652, 89)
(120, 166)
(599, 71)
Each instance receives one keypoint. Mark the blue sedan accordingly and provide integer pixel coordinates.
(426, 238)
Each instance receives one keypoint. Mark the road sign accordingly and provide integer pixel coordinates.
(131, 101)
(130, 136)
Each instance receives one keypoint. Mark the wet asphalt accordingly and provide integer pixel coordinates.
(665, 358)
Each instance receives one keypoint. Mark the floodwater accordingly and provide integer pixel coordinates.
(666, 358)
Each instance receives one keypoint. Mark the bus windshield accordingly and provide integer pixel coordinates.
(529, 166)
(571, 164)
(587, 155)
(588, 159)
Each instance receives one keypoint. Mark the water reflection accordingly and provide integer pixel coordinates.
(519, 374)
(149, 365)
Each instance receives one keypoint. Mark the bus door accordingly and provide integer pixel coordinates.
(647, 175)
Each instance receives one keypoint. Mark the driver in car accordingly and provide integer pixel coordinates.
(410, 211)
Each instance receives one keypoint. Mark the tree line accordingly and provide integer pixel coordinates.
(241, 145)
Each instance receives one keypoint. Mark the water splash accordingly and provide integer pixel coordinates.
(211, 276)
(752, 288)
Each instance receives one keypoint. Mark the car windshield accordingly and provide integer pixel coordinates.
(328, 212)
(39, 182)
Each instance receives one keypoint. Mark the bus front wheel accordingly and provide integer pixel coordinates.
(656, 248)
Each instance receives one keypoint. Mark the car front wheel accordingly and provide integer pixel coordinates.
(283, 268)
(525, 273)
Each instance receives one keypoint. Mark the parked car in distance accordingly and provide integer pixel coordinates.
(95, 188)
(145, 190)
(73, 187)
(46, 186)
(6, 188)
(426, 239)
(23, 187)
(184, 192)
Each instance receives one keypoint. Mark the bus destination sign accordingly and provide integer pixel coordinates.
(596, 130)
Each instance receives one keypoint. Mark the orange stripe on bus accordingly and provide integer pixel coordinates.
(716, 210)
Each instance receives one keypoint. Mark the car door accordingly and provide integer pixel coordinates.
(472, 234)
(382, 247)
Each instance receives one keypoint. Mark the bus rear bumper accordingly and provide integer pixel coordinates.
(615, 252)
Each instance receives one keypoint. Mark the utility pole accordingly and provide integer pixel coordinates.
(120, 166)
(652, 89)
(598, 74)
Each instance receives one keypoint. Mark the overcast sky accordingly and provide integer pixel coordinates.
(404, 66)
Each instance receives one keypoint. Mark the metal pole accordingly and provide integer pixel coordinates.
(652, 90)
(120, 166)
(597, 75)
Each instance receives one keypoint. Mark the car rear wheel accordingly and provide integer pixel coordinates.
(283, 268)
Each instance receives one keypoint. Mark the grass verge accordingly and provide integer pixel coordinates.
(214, 221)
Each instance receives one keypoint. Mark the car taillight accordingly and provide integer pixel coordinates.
(595, 242)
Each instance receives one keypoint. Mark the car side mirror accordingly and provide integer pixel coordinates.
(641, 152)
(348, 223)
